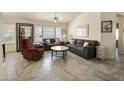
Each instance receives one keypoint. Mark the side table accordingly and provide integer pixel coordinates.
(100, 52)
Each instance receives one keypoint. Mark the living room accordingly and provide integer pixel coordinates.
(63, 59)
(52, 46)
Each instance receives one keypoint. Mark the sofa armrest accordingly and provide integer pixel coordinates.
(45, 44)
(89, 52)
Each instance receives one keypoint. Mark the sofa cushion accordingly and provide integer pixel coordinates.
(68, 45)
(71, 46)
(80, 48)
(74, 41)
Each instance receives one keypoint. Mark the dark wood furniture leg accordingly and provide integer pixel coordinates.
(52, 54)
(66, 52)
(3, 45)
(56, 53)
(63, 54)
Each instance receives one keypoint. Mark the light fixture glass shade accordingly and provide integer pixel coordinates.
(55, 21)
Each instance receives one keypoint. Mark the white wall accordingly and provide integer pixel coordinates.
(91, 18)
(121, 35)
(35, 22)
(10, 47)
(1, 52)
(0, 26)
(109, 39)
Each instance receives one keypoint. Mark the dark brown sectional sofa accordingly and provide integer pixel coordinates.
(47, 46)
(86, 52)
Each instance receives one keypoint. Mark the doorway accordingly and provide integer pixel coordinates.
(117, 39)
(117, 34)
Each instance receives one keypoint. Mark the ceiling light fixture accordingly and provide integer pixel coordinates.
(55, 18)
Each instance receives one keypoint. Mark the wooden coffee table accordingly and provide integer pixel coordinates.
(56, 49)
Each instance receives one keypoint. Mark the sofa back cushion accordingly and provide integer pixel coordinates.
(52, 40)
(74, 41)
(90, 42)
(93, 43)
(44, 40)
(48, 41)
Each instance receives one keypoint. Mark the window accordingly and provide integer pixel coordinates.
(79, 32)
(38, 34)
(58, 33)
(46, 32)
(49, 32)
(8, 33)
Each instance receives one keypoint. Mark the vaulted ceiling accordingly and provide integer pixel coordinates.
(65, 17)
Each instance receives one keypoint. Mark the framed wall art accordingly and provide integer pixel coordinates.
(82, 31)
(106, 26)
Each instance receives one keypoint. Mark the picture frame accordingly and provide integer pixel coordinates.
(82, 31)
(21, 28)
(106, 26)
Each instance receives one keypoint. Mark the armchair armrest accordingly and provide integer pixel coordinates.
(30, 50)
(37, 45)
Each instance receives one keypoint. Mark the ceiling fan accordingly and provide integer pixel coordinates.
(56, 19)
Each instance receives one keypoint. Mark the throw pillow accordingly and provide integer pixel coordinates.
(52, 40)
(86, 44)
(57, 41)
(48, 41)
(72, 42)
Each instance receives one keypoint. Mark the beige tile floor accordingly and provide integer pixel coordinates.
(74, 68)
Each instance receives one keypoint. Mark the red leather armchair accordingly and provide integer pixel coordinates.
(31, 52)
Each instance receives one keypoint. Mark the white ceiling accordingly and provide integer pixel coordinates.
(120, 13)
(66, 17)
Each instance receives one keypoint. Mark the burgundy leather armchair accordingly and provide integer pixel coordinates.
(31, 52)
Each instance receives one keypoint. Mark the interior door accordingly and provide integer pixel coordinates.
(23, 30)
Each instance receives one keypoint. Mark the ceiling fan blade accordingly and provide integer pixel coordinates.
(60, 18)
(55, 17)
